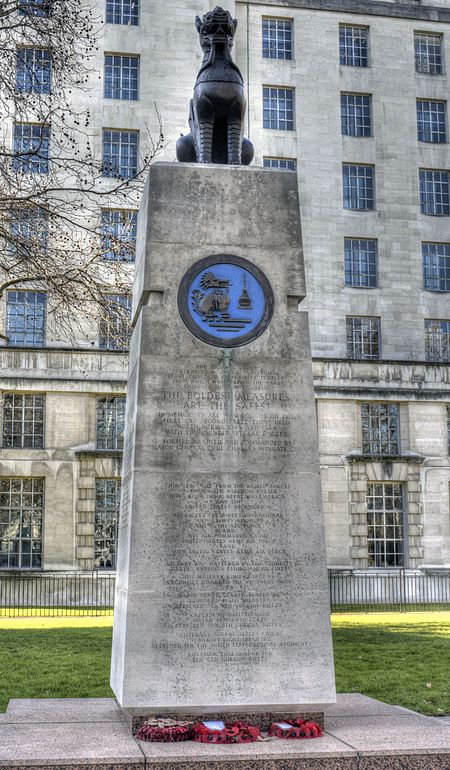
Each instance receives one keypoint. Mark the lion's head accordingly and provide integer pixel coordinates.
(216, 26)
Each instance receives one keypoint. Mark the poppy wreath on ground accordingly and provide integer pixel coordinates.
(300, 728)
(165, 730)
(238, 732)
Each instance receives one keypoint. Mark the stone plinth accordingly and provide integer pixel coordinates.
(222, 597)
(360, 734)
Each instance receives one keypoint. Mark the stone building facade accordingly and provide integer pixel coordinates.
(352, 96)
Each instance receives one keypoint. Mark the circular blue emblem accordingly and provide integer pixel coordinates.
(225, 300)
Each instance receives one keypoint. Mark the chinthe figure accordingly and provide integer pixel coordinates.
(217, 110)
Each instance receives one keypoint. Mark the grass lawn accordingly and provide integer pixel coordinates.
(400, 659)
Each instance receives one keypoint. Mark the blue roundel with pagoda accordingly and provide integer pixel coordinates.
(225, 300)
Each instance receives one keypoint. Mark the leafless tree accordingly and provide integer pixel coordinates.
(52, 184)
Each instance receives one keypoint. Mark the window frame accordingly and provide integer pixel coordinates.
(269, 109)
(383, 510)
(13, 480)
(361, 285)
(430, 341)
(277, 19)
(129, 255)
(352, 187)
(366, 27)
(110, 170)
(369, 439)
(279, 159)
(22, 421)
(362, 357)
(425, 197)
(105, 509)
(357, 135)
(442, 102)
(25, 331)
(436, 268)
(429, 33)
(117, 91)
(33, 81)
(117, 419)
(114, 330)
(123, 22)
(23, 161)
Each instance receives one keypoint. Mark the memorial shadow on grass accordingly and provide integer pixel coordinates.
(392, 657)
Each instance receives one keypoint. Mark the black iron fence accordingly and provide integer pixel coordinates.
(397, 590)
(80, 593)
(56, 594)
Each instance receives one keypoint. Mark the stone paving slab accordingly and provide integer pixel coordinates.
(55, 745)
(354, 704)
(399, 733)
(64, 710)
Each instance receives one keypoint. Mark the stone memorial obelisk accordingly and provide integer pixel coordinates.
(222, 597)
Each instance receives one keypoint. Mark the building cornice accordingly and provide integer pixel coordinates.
(362, 8)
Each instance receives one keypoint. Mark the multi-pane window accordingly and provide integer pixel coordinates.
(21, 515)
(277, 38)
(31, 147)
(121, 76)
(120, 153)
(363, 337)
(107, 506)
(36, 7)
(360, 257)
(354, 46)
(433, 187)
(428, 53)
(110, 422)
(380, 431)
(288, 163)
(23, 420)
(385, 536)
(436, 266)
(358, 187)
(25, 318)
(118, 232)
(278, 108)
(33, 70)
(431, 121)
(122, 12)
(114, 333)
(356, 114)
(29, 228)
(437, 340)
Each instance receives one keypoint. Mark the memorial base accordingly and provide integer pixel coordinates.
(260, 719)
(94, 734)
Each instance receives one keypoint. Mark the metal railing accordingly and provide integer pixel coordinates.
(67, 594)
(56, 594)
(397, 590)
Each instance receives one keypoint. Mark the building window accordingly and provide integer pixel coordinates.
(428, 53)
(380, 433)
(436, 266)
(356, 114)
(431, 121)
(118, 232)
(110, 422)
(120, 153)
(360, 257)
(277, 38)
(115, 327)
(31, 148)
(278, 108)
(23, 420)
(33, 70)
(107, 506)
(358, 187)
(288, 163)
(363, 337)
(36, 7)
(121, 77)
(21, 515)
(29, 229)
(354, 46)
(437, 340)
(385, 538)
(25, 318)
(122, 12)
(434, 192)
